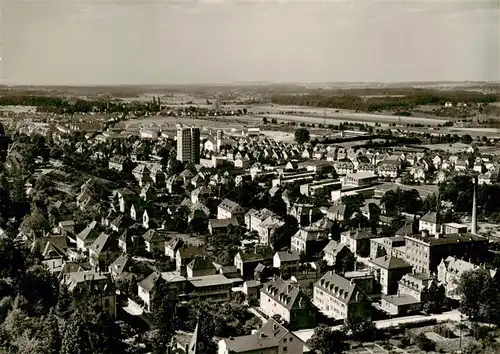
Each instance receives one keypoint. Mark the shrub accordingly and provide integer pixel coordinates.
(425, 343)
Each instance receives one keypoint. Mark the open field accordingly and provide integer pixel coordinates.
(333, 116)
(459, 147)
(424, 190)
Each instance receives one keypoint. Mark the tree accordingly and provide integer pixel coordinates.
(425, 343)
(76, 339)
(359, 327)
(164, 317)
(35, 223)
(398, 201)
(480, 296)
(327, 341)
(302, 135)
(52, 342)
(466, 139)
(264, 120)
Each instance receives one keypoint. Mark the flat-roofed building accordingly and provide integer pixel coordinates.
(453, 228)
(326, 185)
(213, 288)
(387, 245)
(361, 179)
(188, 144)
(425, 252)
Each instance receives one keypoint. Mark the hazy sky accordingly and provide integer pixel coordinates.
(169, 42)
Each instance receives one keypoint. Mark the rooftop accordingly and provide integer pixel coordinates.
(448, 238)
(210, 280)
(390, 262)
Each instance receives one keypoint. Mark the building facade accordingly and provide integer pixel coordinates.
(188, 144)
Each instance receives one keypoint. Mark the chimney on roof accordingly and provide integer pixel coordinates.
(474, 208)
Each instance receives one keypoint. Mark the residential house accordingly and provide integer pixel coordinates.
(340, 298)
(172, 246)
(228, 209)
(98, 284)
(129, 240)
(121, 266)
(200, 266)
(309, 241)
(154, 241)
(142, 174)
(305, 214)
(221, 226)
(414, 290)
(253, 218)
(358, 241)
(430, 223)
(344, 167)
(174, 184)
(283, 298)
(389, 270)
(449, 272)
(146, 288)
(272, 338)
(247, 261)
(86, 237)
(339, 256)
(101, 251)
(185, 255)
(267, 229)
(200, 195)
(336, 212)
(119, 163)
(286, 261)
(388, 170)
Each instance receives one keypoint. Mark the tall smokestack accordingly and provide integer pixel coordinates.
(474, 208)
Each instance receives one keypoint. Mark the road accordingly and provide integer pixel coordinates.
(453, 315)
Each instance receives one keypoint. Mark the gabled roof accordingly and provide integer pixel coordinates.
(285, 293)
(287, 256)
(340, 288)
(153, 236)
(200, 263)
(338, 209)
(89, 280)
(361, 235)
(150, 282)
(222, 223)
(191, 252)
(175, 244)
(102, 243)
(430, 217)
(333, 248)
(390, 262)
(141, 169)
(261, 255)
(122, 264)
(458, 265)
(51, 250)
(229, 205)
(406, 230)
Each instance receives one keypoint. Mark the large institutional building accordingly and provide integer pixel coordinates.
(188, 144)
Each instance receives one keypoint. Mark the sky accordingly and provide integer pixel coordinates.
(69, 42)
